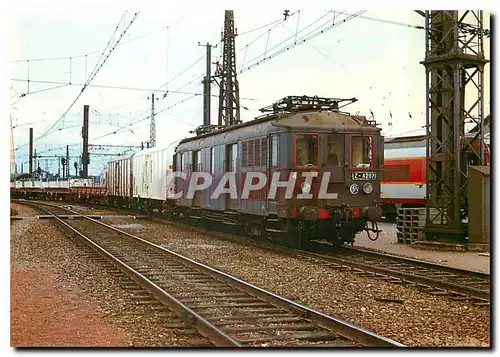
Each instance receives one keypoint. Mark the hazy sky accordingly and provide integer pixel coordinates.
(376, 62)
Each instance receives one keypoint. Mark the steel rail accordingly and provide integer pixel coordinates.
(406, 276)
(214, 334)
(463, 290)
(422, 263)
(439, 284)
(343, 328)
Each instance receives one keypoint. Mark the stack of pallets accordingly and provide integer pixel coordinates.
(410, 224)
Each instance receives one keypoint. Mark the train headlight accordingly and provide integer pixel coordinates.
(368, 188)
(306, 187)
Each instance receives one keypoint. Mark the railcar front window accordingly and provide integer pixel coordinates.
(335, 154)
(306, 147)
(361, 151)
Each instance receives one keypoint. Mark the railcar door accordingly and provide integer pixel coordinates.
(334, 165)
(273, 166)
(147, 175)
(232, 168)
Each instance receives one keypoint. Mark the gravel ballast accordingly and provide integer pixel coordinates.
(83, 303)
(421, 320)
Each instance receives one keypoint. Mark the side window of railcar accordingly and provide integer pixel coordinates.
(361, 151)
(212, 161)
(274, 150)
(197, 160)
(182, 162)
(306, 149)
(335, 153)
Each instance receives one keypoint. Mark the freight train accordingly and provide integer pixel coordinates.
(300, 139)
(308, 169)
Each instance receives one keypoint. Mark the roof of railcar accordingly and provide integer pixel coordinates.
(334, 119)
(404, 139)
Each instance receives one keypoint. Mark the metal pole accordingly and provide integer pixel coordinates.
(481, 91)
(427, 117)
(152, 134)
(67, 161)
(85, 135)
(31, 153)
(206, 104)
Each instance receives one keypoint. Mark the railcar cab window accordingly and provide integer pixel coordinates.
(306, 149)
(335, 154)
(361, 151)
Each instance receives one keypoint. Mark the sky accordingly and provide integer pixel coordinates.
(374, 61)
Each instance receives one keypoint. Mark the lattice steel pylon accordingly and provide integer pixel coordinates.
(229, 95)
(454, 62)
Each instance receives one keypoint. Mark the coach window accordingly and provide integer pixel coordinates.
(361, 151)
(197, 160)
(274, 150)
(182, 162)
(233, 157)
(306, 149)
(335, 153)
(212, 161)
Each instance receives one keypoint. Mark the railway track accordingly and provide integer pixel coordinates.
(224, 309)
(436, 279)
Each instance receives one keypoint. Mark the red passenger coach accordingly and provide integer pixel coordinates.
(404, 174)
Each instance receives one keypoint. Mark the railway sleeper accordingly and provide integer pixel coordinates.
(194, 294)
(314, 336)
(276, 327)
(439, 292)
(239, 320)
(235, 305)
(219, 299)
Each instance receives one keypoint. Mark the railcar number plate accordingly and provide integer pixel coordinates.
(364, 175)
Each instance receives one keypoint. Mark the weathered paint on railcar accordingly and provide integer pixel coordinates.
(282, 125)
(119, 181)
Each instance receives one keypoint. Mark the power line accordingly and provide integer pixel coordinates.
(182, 72)
(91, 77)
(306, 37)
(97, 86)
(390, 22)
(90, 53)
(284, 41)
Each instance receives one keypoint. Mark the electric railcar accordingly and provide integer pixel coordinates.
(299, 137)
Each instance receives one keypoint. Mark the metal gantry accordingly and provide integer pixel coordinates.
(454, 64)
(229, 96)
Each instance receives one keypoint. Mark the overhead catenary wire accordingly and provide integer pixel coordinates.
(91, 77)
(148, 33)
(284, 41)
(143, 119)
(307, 37)
(124, 127)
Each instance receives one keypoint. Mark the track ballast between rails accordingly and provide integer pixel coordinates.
(223, 308)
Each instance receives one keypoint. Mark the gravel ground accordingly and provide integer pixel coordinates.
(422, 319)
(388, 242)
(75, 303)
